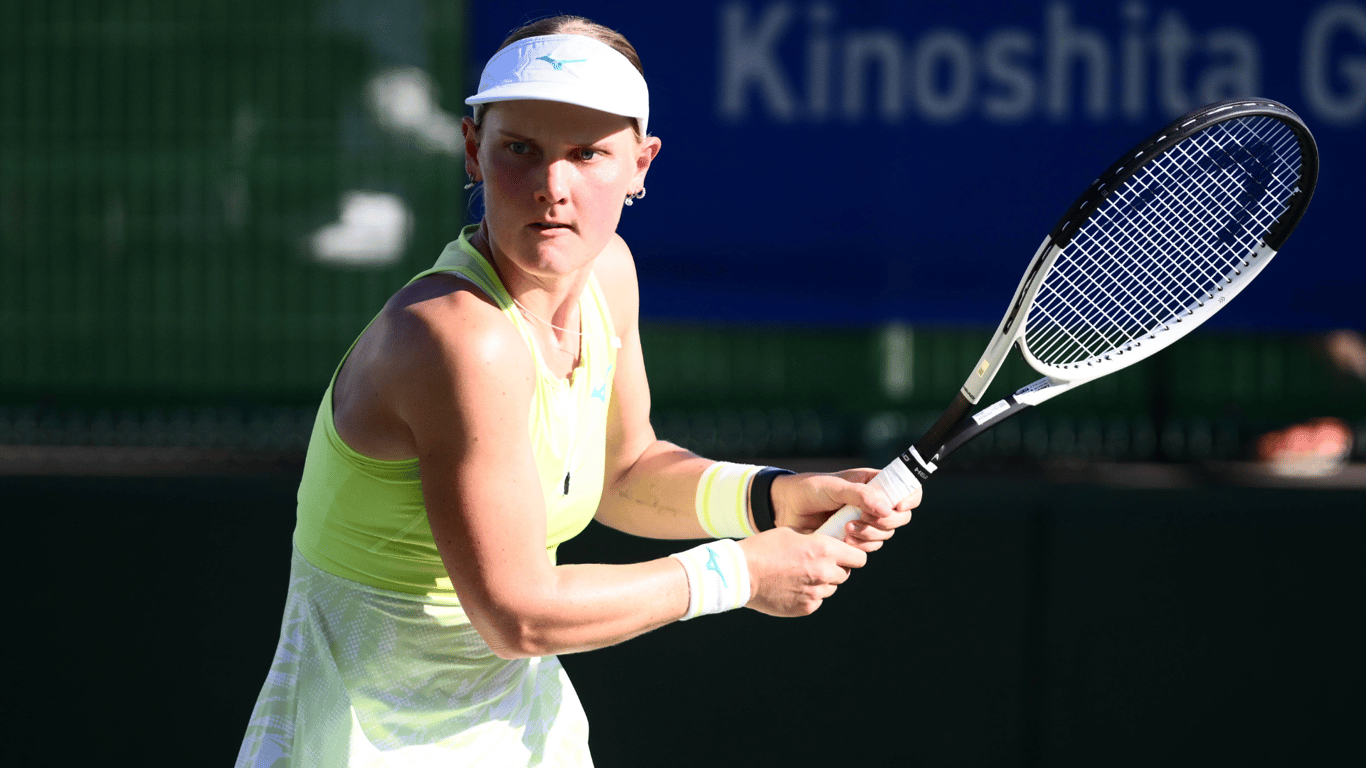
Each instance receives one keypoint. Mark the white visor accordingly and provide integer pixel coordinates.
(569, 68)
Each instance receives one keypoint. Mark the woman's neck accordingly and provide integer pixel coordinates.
(549, 305)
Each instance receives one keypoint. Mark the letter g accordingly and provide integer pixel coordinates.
(1349, 106)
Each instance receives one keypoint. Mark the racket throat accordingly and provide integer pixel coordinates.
(921, 457)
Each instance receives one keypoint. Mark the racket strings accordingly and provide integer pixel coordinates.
(1188, 272)
(1165, 241)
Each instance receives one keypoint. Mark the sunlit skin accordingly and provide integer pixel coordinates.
(555, 179)
(443, 377)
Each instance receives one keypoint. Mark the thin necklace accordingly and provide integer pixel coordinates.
(483, 234)
(522, 307)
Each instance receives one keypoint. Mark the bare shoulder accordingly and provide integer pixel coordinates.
(435, 353)
(444, 322)
(616, 272)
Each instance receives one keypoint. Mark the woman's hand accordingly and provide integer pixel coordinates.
(790, 573)
(804, 501)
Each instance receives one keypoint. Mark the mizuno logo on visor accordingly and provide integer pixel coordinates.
(559, 63)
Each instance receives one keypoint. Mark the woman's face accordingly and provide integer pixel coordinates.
(555, 179)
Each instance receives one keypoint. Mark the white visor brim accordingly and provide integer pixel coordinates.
(572, 69)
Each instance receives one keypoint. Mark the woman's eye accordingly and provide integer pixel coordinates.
(518, 148)
(587, 154)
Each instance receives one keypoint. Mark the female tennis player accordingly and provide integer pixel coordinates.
(496, 404)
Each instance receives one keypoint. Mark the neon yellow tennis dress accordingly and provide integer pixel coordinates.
(377, 665)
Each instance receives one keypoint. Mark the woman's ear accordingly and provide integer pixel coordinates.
(470, 131)
(649, 148)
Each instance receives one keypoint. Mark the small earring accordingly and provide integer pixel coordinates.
(471, 184)
(632, 198)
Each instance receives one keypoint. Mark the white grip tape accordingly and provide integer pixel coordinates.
(895, 480)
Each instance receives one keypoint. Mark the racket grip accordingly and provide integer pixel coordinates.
(895, 480)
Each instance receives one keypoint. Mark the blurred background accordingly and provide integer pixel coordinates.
(202, 202)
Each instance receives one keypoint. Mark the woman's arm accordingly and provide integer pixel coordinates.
(651, 485)
(460, 380)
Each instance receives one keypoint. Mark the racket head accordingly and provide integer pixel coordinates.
(1176, 228)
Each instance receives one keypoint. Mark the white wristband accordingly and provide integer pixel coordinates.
(718, 577)
(723, 500)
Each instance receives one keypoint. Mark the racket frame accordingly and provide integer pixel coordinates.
(957, 425)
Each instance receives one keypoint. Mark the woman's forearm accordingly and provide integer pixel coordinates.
(656, 496)
(585, 607)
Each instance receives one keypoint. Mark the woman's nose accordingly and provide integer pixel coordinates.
(555, 182)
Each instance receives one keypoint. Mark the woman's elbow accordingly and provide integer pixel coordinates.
(514, 636)
(509, 648)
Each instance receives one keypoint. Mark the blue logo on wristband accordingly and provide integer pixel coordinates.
(713, 566)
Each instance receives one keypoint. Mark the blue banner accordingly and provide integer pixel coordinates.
(854, 163)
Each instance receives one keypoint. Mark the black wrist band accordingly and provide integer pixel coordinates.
(761, 497)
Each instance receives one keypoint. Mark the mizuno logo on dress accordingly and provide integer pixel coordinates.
(712, 565)
(559, 63)
(600, 391)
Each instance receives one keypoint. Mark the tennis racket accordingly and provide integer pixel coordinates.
(1159, 243)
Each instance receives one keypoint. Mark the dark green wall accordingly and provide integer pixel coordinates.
(1016, 622)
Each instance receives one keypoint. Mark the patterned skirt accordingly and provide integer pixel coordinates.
(369, 677)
